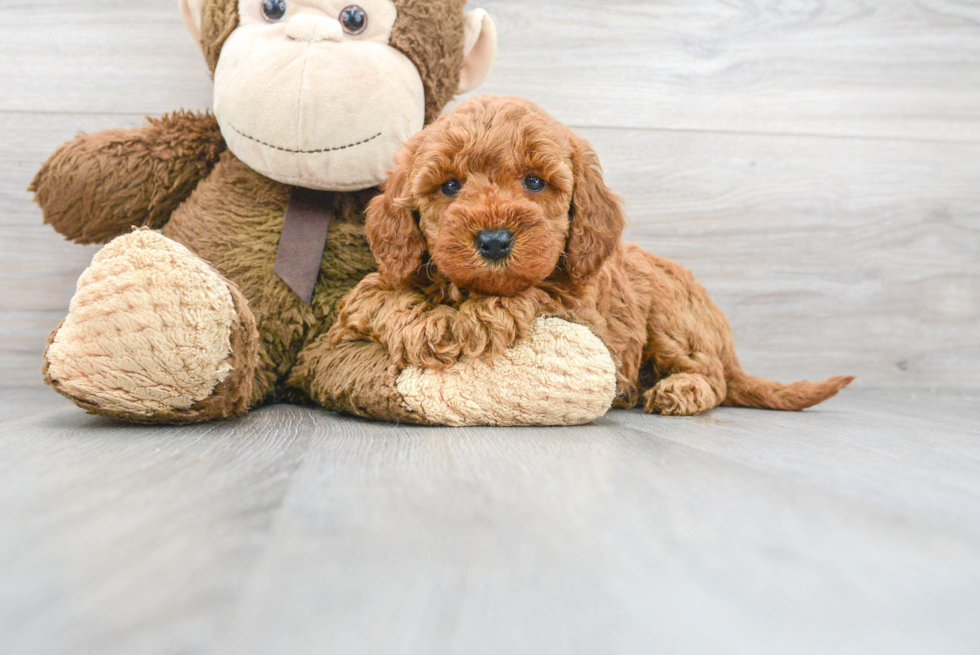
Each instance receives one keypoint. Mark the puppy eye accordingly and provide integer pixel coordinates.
(354, 19)
(534, 184)
(452, 188)
(274, 10)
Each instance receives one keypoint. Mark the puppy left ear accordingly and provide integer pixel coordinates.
(395, 237)
(479, 49)
(597, 218)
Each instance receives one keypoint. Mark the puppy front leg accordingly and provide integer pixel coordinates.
(412, 330)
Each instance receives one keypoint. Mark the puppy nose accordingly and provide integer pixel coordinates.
(494, 244)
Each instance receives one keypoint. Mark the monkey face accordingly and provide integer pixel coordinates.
(322, 93)
(309, 93)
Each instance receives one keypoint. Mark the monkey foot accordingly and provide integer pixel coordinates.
(154, 335)
(561, 374)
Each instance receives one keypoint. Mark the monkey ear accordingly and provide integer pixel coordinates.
(479, 49)
(597, 218)
(191, 11)
(392, 231)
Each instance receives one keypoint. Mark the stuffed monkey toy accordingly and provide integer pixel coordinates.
(232, 235)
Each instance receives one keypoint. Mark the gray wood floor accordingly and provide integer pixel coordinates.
(816, 164)
(853, 528)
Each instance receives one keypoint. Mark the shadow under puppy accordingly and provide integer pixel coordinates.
(496, 215)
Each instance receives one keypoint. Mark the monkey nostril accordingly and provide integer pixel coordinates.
(494, 244)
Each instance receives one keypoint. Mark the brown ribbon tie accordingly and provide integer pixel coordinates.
(303, 240)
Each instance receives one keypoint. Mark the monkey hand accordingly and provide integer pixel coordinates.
(561, 374)
(101, 185)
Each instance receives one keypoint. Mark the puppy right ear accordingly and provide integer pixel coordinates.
(392, 231)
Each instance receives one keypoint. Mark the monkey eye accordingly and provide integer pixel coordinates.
(273, 10)
(452, 188)
(534, 184)
(354, 19)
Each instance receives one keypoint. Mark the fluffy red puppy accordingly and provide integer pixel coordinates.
(497, 214)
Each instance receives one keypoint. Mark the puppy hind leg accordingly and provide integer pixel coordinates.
(690, 391)
(681, 394)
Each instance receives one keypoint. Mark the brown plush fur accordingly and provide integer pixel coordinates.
(436, 299)
(176, 174)
(420, 34)
(100, 185)
(245, 214)
(219, 18)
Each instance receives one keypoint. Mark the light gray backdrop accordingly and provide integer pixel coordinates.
(817, 165)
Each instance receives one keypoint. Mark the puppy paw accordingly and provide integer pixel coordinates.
(153, 331)
(427, 343)
(561, 374)
(681, 394)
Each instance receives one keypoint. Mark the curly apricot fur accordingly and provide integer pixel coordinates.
(435, 299)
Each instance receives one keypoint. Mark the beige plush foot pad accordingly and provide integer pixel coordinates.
(562, 374)
(148, 331)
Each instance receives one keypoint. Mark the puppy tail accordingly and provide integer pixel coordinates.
(747, 391)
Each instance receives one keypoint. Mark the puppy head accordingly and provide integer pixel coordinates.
(500, 197)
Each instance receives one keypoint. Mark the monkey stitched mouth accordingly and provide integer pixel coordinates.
(305, 152)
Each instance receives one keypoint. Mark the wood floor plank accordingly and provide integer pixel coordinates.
(124, 539)
(853, 447)
(829, 256)
(850, 527)
(888, 68)
(734, 532)
(115, 56)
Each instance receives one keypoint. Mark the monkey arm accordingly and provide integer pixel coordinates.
(559, 374)
(354, 377)
(100, 185)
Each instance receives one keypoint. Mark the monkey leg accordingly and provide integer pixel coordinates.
(155, 335)
(562, 374)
